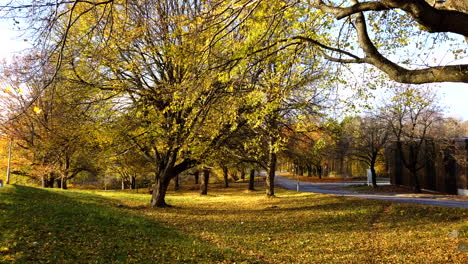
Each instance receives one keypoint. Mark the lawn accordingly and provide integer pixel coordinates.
(229, 225)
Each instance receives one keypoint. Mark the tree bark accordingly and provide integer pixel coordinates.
(413, 159)
(252, 180)
(50, 181)
(59, 183)
(374, 174)
(309, 171)
(64, 183)
(122, 181)
(132, 182)
(204, 182)
(225, 176)
(176, 183)
(433, 19)
(196, 176)
(270, 178)
(159, 191)
(319, 171)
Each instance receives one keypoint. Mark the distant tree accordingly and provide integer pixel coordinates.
(464, 127)
(411, 114)
(309, 145)
(369, 140)
(204, 182)
(130, 165)
(252, 180)
(55, 126)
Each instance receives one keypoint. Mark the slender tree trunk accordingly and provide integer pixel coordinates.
(415, 186)
(319, 171)
(270, 178)
(225, 176)
(309, 171)
(123, 183)
(51, 180)
(132, 183)
(414, 172)
(9, 163)
(252, 180)
(159, 191)
(196, 175)
(204, 182)
(176, 183)
(374, 175)
(242, 176)
(44, 181)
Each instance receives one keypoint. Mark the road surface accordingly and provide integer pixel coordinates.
(335, 189)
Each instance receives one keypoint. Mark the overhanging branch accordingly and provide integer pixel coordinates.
(431, 18)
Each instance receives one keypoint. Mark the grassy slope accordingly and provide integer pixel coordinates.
(54, 226)
(294, 228)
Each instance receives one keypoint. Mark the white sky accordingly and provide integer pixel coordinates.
(454, 96)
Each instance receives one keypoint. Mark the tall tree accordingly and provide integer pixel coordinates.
(369, 139)
(56, 129)
(182, 83)
(412, 113)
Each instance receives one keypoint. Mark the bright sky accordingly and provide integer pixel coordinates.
(454, 96)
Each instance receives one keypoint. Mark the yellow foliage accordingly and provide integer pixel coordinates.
(37, 110)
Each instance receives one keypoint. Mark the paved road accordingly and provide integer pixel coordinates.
(334, 188)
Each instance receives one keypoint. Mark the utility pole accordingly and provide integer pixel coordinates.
(9, 162)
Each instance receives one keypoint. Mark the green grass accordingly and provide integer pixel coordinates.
(229, 225)
(54, 226)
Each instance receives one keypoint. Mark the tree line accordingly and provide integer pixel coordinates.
(112, 85)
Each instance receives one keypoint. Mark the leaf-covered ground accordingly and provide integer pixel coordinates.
(229, 225)
(54, 226)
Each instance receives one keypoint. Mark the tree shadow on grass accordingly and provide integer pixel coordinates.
(40, 225)
(334, 214)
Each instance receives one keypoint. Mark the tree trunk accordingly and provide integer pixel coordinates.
(59, 183)
(196, 175)
(412, 168)
(415, 186)
(252, 180)
(159, 191)
(123, 183)
(176, 183)
(319, 171)
(44, 181)
(270, 178)
(204, 182)
(225, 176)
(309, 171)
(50, 181)
(132, 182)
(64, 183)
(374, 175)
